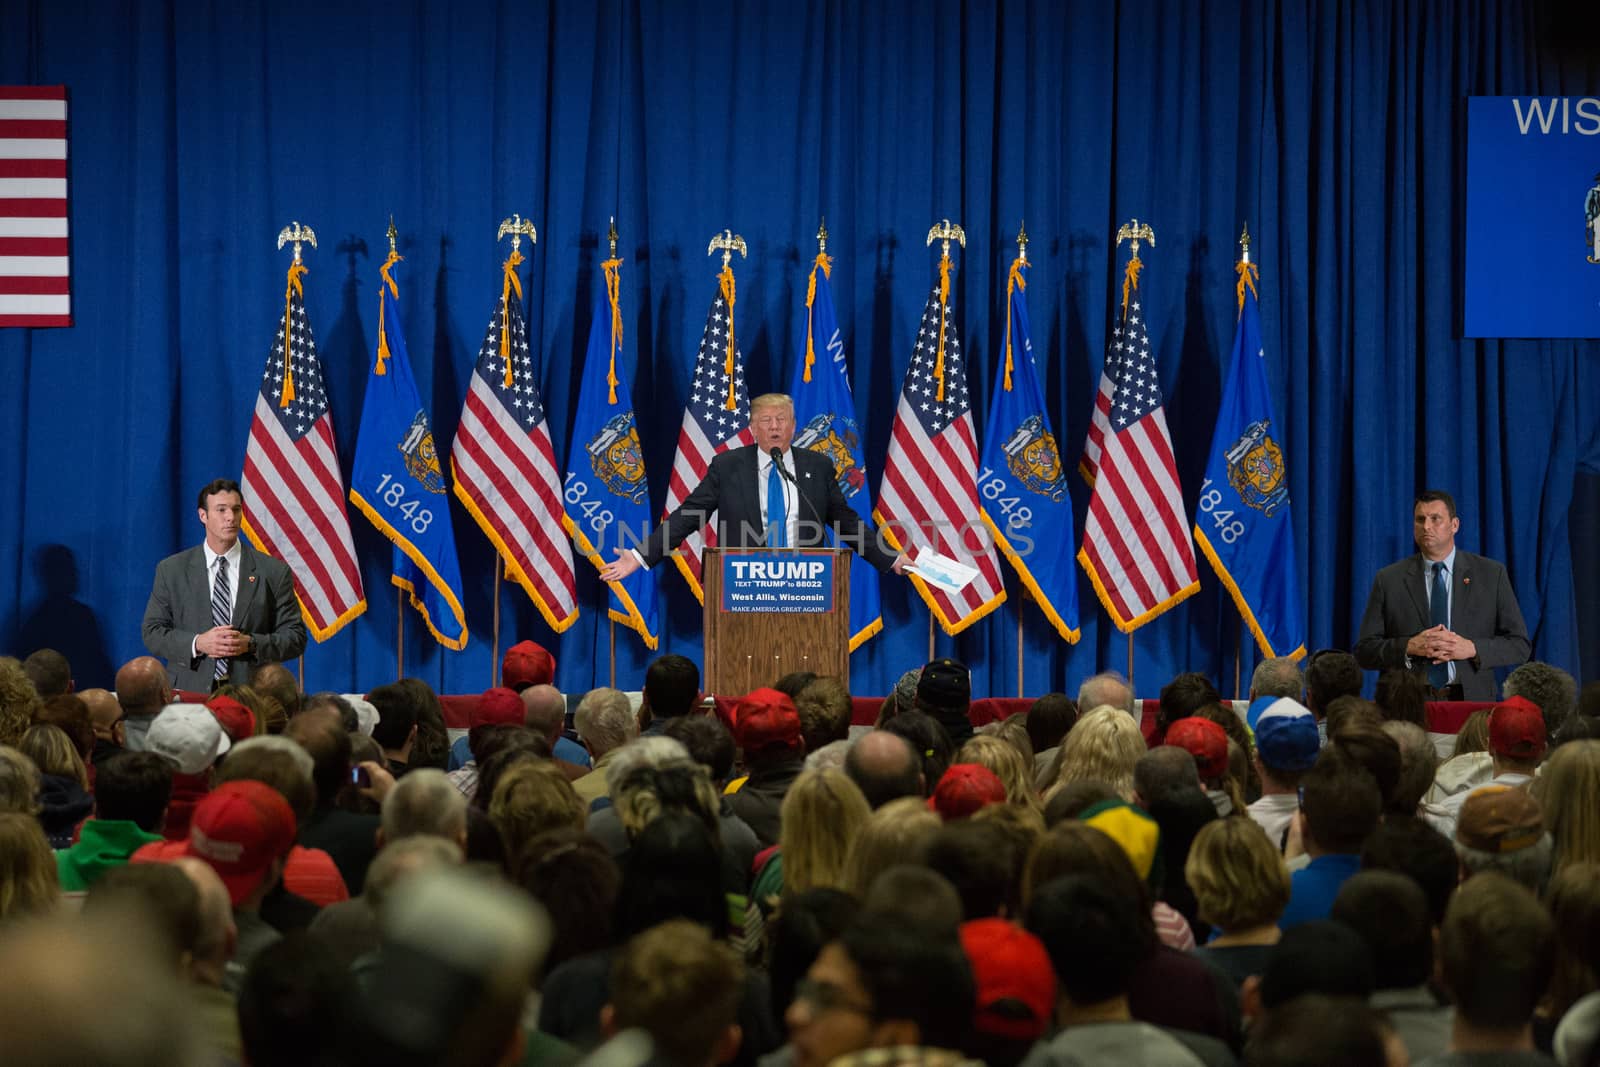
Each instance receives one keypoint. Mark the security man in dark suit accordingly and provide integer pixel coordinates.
(764, 495)
(1446, 614)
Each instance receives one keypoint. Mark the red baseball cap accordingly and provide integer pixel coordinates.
(239, 828)
(766, 718)
(498, 705)
(1516, 729)
(236, 720)
(527, 663)
(1009, 964)
(965, 788)
(1205, 741)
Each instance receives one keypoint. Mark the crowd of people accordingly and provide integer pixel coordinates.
(263, 876)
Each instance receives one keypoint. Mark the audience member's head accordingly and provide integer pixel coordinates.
(944, 691)
(1238, 876)
(71, 713)
(1095, 936)
(337, 703)
(1071, 799)
(1409, 846)
(1106, 689)
(1330, 674)
(278, 683)
(884, 766)
(1402, 696)
(276, 762)
(897, 832)
(1349, 711)
(671, 686)
(929, 739)
(825, 712)
(965, 789)
(683, 989)
(577, 881)
(604, 721)
(1007, 764)
(134, 787)
(1498, 948)
(530, 799)
(767, 727)
(158, 896)
(1340, 805)
(424, 802)
(28, 882)
(143, 692)
(1078, 848)
(19, 701)
(708, 743)
(1314, 1030)
(398, 713)
(321, 733)
(1473, 735)
(791, 684)
(265, 715)
(527, 663)
(672, 870)
(1516, 735)
(1390, 912)
(498, 706)
(19, 782)
(1549, 688)
(105, 715)
(244, 830)
(1206, 742)
(674, 785)
(979, 860)
(1419, 760)
(236, 720)
(820, 816)
(921, 897)
(1320, 956)
(1368, 745)
(1287, 743)
(1277, 677)
(1162, 772)
(1015, 984)
(295, 1005)
(544, 711)
(53, 752)
(216, 933)
(1103, 747)
(1501, 828)
(1574, 902)
(399, 860)
(1049, 719)
(1183, 696)
(49, 672)
(796, 934)
(1568, 789)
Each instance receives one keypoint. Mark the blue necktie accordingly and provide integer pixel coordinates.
(1439, 612)
(777, 519)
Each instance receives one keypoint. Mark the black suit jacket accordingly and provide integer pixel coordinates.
(180, 607)
(729, 489)
(1483, 609)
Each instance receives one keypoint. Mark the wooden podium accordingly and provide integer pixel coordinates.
(747, 649)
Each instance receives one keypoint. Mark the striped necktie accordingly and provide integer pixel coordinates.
(221, 610)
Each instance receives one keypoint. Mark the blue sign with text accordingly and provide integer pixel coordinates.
(794, 582)
(1533, 217)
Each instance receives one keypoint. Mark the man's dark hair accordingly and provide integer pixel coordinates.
(397, 714)
(1164, 771)
(1069, 800)
(337, 703)
(162, 894)
(1402, 695)
(1390, 912)
(488, 738)
(1320, 956)
(910, 975)
(296, 1004)
(791, 684)
(922, 897)
(1551, 688)
(134, 787)
(1185, 695)
(215, 486)
(577, 881)
(516, 748)
(49, 672)
(432, 748)
(929, 739)
(825, 711)
(1341, 802)
(708, 741)
(1093, 934)
(671, 685)
(275, 768)
(1317, 1031)
(1379, 753)
(1049, 719)
(68, 711)
(1430, 496)
(1331, 674)
(672, 870)
(1498, 949)
(796, 935)
(328, 742)
(980, 861)
(880, 786)
(1409, 846)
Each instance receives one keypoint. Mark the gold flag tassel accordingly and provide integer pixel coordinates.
(1130, 281)
(725, 280)
(944, 299)
(613, 271)
(296, 271)
(511, 282)
(394, 291)
(1248, 272)
(824, 263)
(1015, 282)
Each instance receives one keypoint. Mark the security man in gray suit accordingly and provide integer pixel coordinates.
(219, 608)
(1446, 614)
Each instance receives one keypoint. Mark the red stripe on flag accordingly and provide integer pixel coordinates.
(12, 284)
(33, 168)
(34, 129)
(33, 246)
(35, 320)
(33, 92)
(26, 207)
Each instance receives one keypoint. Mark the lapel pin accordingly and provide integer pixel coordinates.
(251, 579)
(1464, 581)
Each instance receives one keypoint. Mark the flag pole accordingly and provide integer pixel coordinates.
(1022, 605)
(1130, 665)
(1238, 657)
(494, 638)
(302, 667)
(399, 633)
(930, 637)
(611, 637)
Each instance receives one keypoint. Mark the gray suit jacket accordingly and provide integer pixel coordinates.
(1483, 610)
(180, 607)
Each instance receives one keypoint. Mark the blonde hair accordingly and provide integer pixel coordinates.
(1473, 735)
(1238, 877)
(1102, 747)
(268, 713)
(1574, 902)
(1014, 732)
(28, 883)
(1007, 764)
(771, 400)
(531, 797)
(19, 701)
(19, 782)
(53, 752)
(821, 816)
(898, 832)
(677, 784)
(1568, 789)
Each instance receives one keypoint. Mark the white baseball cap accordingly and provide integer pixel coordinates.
(188, 735)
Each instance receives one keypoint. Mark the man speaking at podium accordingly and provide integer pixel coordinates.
(1443, 613)
(765, 495)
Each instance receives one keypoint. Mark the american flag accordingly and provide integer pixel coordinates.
(717, 419)
(505, 465)
(35, 281)
(1136, 545)
(929, 493)
(293, 489)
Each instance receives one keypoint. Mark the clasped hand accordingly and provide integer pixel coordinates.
(1440, 645)
(222, 642)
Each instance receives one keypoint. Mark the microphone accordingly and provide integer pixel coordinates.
(777, 459)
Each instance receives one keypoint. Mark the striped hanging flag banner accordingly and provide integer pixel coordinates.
(35, 269)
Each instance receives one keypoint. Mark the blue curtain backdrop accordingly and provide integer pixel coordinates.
(1336, 129)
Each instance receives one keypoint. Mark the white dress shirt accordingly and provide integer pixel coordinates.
(791, 493)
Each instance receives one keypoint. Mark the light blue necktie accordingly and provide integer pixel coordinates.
(777, 518)
(1439, 613)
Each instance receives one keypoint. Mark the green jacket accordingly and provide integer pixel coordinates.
(102, 845)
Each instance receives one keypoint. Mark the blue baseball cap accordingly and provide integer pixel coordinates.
(1286, 736)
